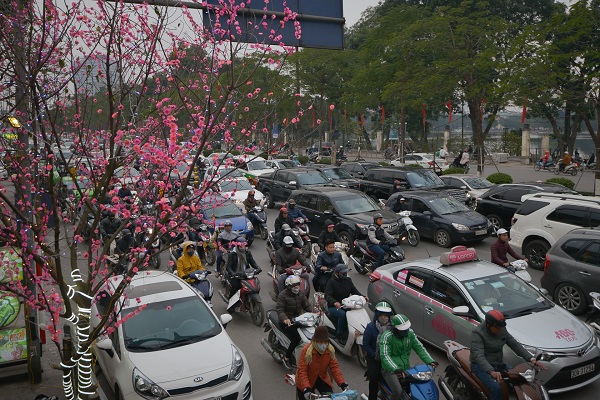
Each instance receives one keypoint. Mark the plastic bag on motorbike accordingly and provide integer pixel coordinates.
(347, 395)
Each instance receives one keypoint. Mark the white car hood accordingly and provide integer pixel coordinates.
(208, 359)
(554, 328)
(259, 172)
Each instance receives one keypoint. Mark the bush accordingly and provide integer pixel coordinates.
(413, 166)
(325, 160)
(499, 178)
(562, 181)
(453, 170)
(303, 159)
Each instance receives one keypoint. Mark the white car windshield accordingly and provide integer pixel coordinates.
(478, 183)
(230, 173)
(256, 165)
(355, 205)
(447, 205)
(230, 186)
(168, 324)
(506, 292)
(423, 178)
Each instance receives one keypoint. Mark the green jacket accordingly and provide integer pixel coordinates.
(395, 351)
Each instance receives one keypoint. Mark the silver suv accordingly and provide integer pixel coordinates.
(543, 218)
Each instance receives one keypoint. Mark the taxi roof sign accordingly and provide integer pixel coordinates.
(458, 254)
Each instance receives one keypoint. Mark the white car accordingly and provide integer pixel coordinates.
(475, 185)
(422, 159)
(129, 176)
(174, 347)
(257, 166)
(237, 190)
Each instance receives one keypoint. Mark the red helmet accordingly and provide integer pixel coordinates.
(495, 318)
(283, 210)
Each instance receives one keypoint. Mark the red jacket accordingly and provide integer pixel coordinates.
(307, 373)
(499, 251)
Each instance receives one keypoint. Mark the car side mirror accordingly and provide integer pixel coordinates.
(464, 187)
(462, 311)
(293, 183)
(225, 319)
(427, 213)
(328, 212)
(360, 173)
(544, 292)
(106, 345)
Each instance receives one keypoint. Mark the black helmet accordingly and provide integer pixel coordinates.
(495, 318)
(377, 216)
(126, 232)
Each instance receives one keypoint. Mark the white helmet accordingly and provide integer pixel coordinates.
(288, 241)
(292, 281)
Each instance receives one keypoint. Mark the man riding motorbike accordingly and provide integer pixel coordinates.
(283, 218)
(399, 205)
(188, 263)
(487, 343)
(381, 323)
(500, 248)
(378, 240)
(224, 240)
(337, 289)
(328, 233)
(238, 261)
(249, 205)
(287, 257)
(395, 346)
(291, 302)
(294, 211)
(286, 231)
(327, 260)
(109, 225)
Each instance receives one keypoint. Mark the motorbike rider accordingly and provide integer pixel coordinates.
(397, 187)
(373, 330)
(326, 262)
(124, 244)
(565, 162)
(124, 192)
(291, 302)
(286, 231)
(500, 248)
(340, 153)
(378, 240)
(338, 288)
(109, 225)
(249, 205)
(487, 343)
(295, 212)
(237, 262)
(399, 205)
(224, 240)
(545, 159)
(286, 257)
(395, 347)
(316, 358)
(188, 263)
(283, 218)
(464, 159)
(328, 233)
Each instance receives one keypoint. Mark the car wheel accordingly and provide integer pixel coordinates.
(269, 200)
(442, 238)
(536, 251)
(569, 297)
(495, 220)
(348, 239)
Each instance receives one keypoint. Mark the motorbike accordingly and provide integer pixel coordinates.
(347, 394)
(260, 223)
(357, 319)
(202, 285)
(154, 248)
(570, 169)
(549, 166)
(593, 316)
(314, 157)
(417, 385)
(302, 230)
(340, 247)
(277, 342)
(247, 299)
(459, 381)
(519, 267)
(200, 234)
(299, 270)
(408, 231)
(340, 160)
(364, 259)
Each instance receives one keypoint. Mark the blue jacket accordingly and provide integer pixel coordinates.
(370, 337)
(295, 212)
(328, 260)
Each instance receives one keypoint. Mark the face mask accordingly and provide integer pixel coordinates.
(190, 252)
(288, 249)
(292, 206)
(383, 319)
(401, 334)
(295, 289)
(342, 275)
(321, 347)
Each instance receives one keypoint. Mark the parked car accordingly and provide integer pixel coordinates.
(338, 176)
(424, 160)
(500, 202)
(278, 186)
(281, 164)
(444, 219)
(358, 169)
(572, 269)
(475, 185)
(447, 301)
(154, 354)
(255, 166)
(215, 173)
(236, 189)
(350, 210)
(543, 218)
(216, 208)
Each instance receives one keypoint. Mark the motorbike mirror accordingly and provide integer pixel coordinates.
(225, 319)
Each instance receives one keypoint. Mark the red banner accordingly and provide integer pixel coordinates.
(449, 106)
(424, 112)
(524, 114)
(382, 116)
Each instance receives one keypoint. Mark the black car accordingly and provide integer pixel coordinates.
(358, 169)
(443, 218)
(338, 175)
(500, 203)
(351, 211)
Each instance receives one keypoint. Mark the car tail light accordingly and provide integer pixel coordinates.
(547, 263)
(374, 277)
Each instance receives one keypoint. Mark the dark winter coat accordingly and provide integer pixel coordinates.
(290, 305)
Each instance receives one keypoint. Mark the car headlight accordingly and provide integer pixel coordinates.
(237, 365)
(468, 195)
(249, 226)
(146, 388)
(460, 227)
(534, 351)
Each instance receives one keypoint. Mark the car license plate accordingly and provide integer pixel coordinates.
(582, 371)
(481, 232)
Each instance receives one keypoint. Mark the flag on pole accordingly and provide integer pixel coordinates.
(449, 106)
(524, 114)
(361, 120)
(424, 112)
(313, 118)
(382, 116)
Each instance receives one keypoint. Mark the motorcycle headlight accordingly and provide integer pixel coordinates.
(249, 226)
(460, 227)
(423, 376)
(146, 388)
(237, 365)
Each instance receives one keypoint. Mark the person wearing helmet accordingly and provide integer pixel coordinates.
(500, 248)
(395, 346)
(239, 260)
(124, 244)
(545, 159)
(398, 187)
(566, 161)
(399, 205)
(326, 262)
(291, 302)
(487, 344)
(286, 257)
(226, 236)
(338, 288)
(373, 330)
(328, 233)
(294, 212)
(316, 361)
(283, 218)
(378, 240)
(188, 263)
(340, 154)
(286, 231)
(109, 225)
(464, 159)
(249, 205)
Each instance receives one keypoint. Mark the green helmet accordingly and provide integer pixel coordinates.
(400, 322)
(384, 307)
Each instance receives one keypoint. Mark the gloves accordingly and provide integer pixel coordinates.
(344, 386)
(307, 394)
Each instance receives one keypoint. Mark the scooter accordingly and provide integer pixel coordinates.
(408, 231)
(299, 270)
(570, 169)
(277, 342)
(347, 394)
(153, 249)
(548, 166)
(340, 247)
(200, 234)
(364, 259)
(358, 319)
(302, 229)
(260, 223)
(417, 384)
(593, 316)
(247, 299)
(460, 382)
(202, 285)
